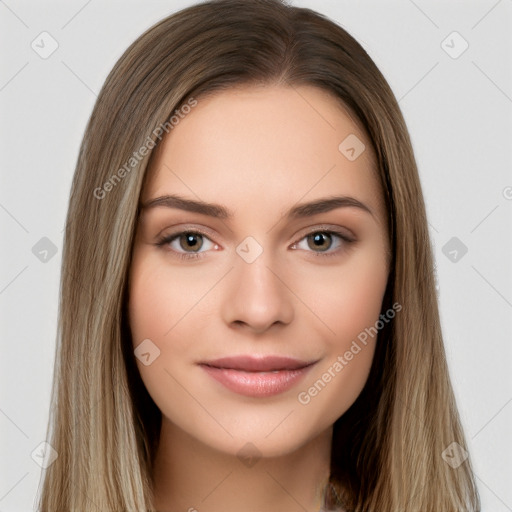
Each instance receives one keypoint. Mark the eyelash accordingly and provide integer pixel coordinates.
(195, 256)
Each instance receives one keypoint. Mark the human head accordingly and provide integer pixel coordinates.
(196, 53)
(262, 290)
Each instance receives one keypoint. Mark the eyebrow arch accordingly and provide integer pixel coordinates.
(221, 212)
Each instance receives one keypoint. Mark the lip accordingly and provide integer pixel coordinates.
(257, 376)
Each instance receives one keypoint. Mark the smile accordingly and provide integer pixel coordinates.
(257, 377)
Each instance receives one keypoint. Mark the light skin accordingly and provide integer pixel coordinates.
(258, 152)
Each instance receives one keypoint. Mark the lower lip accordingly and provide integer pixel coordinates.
(256, 384)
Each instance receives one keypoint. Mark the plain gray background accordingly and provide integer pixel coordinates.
(457, 102)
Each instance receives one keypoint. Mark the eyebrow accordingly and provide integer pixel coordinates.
(218, 211)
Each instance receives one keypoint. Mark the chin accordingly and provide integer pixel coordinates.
(268, 437)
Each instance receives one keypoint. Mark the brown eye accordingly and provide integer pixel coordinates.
(320, 241)
(190, 241)
(191, 244)
(324, 243)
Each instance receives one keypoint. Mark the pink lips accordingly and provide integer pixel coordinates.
(257, 376)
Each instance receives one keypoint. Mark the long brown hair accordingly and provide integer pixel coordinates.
(387, 453)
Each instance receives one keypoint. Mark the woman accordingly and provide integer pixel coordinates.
(214, 354)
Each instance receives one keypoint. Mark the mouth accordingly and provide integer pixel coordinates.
(257, 376)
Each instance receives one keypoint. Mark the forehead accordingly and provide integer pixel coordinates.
(265, 148)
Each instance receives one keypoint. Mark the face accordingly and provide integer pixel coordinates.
(248, 317)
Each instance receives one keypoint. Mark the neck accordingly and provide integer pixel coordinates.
(191, 476)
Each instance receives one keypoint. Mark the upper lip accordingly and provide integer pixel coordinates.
(258, 364)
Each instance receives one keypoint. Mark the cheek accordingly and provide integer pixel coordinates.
(161, 299)
(156, 304)
(164, 307)
(348, 298)
(348, 306)
(146, 308)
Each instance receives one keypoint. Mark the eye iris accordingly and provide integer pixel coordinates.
(190, 241)
(318, 239)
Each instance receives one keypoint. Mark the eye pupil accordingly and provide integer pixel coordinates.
(319, 239)
(190, 240)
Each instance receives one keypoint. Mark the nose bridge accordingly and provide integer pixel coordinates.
(257, 275)
(257, 294)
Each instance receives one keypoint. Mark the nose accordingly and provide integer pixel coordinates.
(258, 296)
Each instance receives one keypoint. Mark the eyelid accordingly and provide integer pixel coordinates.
(307, 231)
(338, 230)
(178, 229)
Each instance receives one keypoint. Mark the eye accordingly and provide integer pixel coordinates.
(187, 244)
(321, 242)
